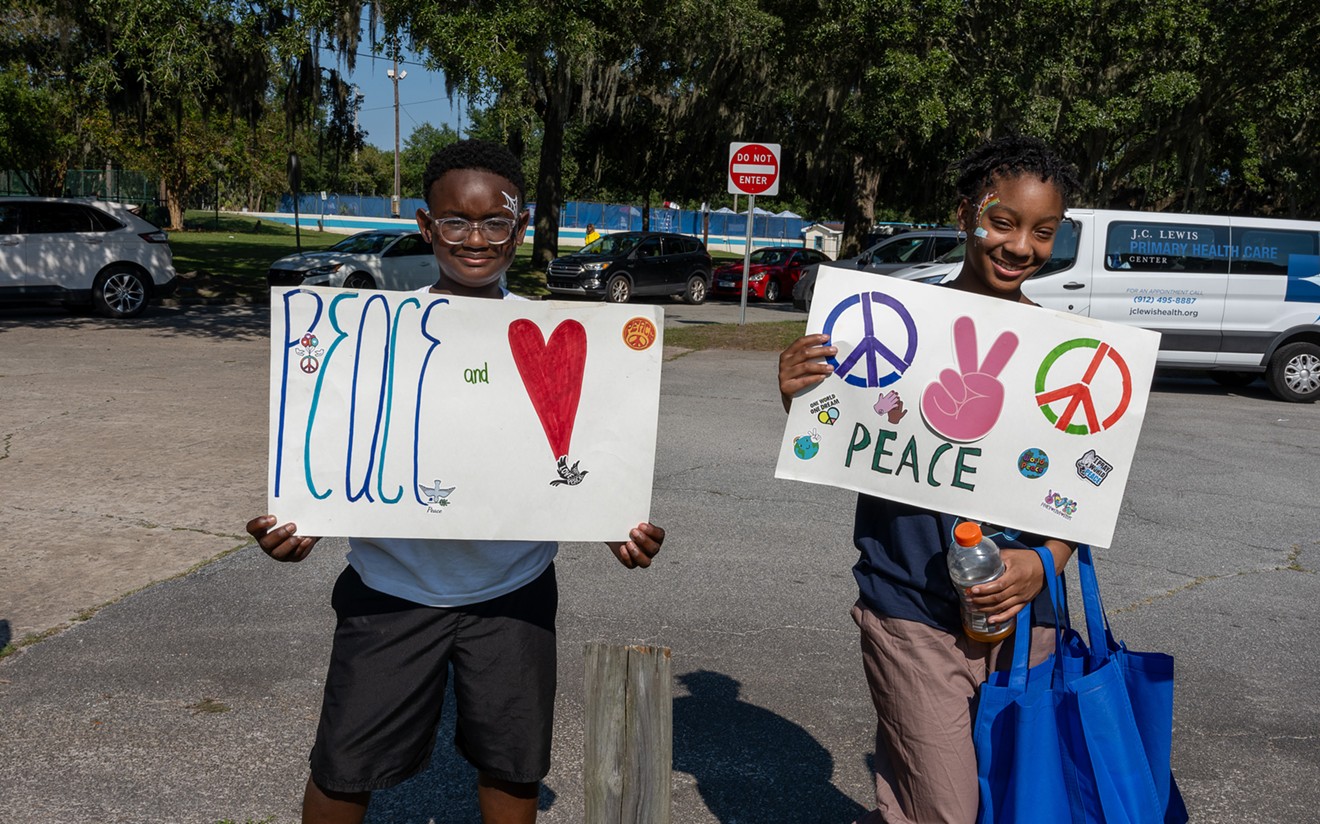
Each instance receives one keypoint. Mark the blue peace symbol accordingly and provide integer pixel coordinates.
(869, 346)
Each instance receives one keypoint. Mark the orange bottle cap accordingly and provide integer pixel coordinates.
(967, 533)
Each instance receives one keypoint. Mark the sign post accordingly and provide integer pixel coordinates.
(753, 170)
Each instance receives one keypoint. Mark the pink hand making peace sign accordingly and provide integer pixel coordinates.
(964, 405)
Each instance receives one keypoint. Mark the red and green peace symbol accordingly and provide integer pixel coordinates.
(1079, 393)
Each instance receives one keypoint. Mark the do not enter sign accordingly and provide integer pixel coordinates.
(753, 168)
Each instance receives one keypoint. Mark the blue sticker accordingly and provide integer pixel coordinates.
(1033, 462)
(806, 446)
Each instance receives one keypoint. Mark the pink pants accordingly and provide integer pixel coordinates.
(924, 683)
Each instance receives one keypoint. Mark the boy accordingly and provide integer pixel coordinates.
(408, 609)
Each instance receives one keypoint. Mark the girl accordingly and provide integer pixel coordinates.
(923, 672)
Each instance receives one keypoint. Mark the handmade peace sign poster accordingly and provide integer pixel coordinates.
(1014, 415)
(414, 415)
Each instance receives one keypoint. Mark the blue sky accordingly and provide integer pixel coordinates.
(421, 96)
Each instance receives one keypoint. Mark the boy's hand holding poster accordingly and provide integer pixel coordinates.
(415, 415)
(1014, 415)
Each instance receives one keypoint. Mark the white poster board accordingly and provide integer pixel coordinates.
(415, 415)
(995, 411)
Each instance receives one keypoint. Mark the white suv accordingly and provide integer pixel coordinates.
(80, 251)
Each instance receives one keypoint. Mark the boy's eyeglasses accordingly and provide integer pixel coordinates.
(456, 230)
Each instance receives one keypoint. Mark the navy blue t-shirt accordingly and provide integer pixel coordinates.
(902, 571)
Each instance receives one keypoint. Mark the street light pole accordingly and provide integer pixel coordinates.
(396, 75)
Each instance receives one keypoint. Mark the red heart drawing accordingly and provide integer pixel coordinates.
(552, 375)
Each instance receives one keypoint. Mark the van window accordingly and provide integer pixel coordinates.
(1266, 251)
(1167, 247)
(1065, 250)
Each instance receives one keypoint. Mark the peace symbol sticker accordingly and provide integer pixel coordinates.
(871, 350)
(1079, 393)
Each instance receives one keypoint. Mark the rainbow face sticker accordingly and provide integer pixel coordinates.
(990, 199)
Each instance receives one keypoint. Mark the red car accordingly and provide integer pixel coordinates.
(774, 270)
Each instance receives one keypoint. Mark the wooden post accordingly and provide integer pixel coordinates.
(629, 750)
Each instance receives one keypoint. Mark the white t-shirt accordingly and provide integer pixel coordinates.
(448, 573)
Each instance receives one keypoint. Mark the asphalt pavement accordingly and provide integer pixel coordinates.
(132, 452)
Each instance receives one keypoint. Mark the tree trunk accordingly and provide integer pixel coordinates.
(549, 192)
(859, 214)
(175, 194)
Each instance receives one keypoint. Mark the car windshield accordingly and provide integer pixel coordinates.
(368, 243)
(769, 256)
(953, 255)
(611, 245)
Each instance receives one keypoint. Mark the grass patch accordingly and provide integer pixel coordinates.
(751, 337)
(242, 249)
(524, 278)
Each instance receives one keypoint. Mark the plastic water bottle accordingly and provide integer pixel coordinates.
(974, 559)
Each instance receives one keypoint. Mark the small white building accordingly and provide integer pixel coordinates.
(825, 237)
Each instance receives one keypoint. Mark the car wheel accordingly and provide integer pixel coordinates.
(695, 293)
(618, 290)
(771, 291)
(120, 292)
(1294, 372)
(1233, 380)
(359, 280)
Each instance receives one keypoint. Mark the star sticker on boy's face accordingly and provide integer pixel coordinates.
(472, 267)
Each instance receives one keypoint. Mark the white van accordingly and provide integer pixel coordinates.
(1237, 296)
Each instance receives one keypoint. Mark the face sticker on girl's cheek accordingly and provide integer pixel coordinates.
(511, 203)
(990, 199)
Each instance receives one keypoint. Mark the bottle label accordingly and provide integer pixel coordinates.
(978, 622)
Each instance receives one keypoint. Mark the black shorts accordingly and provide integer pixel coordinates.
(386, 684)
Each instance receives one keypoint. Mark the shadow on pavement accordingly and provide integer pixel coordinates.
(238, 321)
(751, 764)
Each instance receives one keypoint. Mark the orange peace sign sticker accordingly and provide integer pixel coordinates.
(639, 334)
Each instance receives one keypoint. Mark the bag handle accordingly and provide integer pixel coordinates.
(1097, 622)
(1017, 679)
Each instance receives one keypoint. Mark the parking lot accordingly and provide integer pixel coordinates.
(131, 453)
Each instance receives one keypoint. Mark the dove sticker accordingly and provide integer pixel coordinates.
(436, 496)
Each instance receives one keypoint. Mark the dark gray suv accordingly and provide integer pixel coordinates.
(616, 267)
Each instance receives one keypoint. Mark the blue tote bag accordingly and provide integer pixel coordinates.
(1082, 737)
